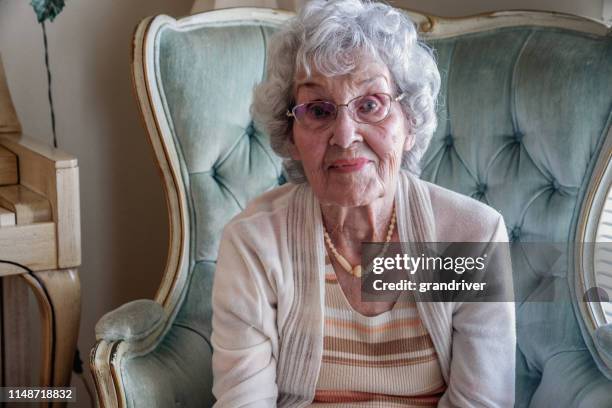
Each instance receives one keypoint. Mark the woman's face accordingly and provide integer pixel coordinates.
(349, 163)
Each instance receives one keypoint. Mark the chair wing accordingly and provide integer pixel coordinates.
(524, 117)
(194, 79)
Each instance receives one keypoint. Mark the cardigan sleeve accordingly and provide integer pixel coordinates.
(243, 362)
(482, 370)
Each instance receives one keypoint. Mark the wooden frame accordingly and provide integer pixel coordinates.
(586, 234)
(55, 176)
(40, 185)
(107, 356)
(48, 244)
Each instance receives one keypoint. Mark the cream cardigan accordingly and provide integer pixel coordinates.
(268, 301)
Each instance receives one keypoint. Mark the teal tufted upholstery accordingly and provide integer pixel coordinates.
(523, 115)
(225, 162)
(526, 112)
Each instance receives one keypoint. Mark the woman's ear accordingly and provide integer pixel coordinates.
(410, 136)
(293, 150)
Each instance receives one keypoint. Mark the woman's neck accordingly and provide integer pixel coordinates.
(348, 227)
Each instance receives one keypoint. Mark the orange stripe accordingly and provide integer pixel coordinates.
(339, 396)
(386, 363)
(412, 322)
(331, 278)
(385, 348)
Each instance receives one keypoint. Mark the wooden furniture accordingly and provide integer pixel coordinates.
(39, 245)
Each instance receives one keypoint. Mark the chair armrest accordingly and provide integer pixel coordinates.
(178, 373)
(24, 146)
(131, 322)
(175, 371)
(53, 174)
(132, 330)
(603, 344)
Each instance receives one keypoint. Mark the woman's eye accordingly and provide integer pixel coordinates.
(318, 111)
(368, 105)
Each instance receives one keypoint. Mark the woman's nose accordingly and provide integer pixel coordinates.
(344, 129)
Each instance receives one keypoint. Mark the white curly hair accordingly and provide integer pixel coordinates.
(329, 36)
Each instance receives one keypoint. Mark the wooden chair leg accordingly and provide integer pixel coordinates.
(46, 314)
(59, 296)
(16, 336)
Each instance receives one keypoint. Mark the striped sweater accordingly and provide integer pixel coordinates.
(269, 304)
(386, 360)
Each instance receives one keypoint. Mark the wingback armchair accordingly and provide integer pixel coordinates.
(524, 116)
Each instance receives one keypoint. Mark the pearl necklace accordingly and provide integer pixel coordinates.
(356, 270)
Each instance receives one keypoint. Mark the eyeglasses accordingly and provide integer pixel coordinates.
(368, 109)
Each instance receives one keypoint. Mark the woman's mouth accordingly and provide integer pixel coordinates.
(348, 165)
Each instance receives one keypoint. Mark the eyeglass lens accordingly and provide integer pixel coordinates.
(364, 109)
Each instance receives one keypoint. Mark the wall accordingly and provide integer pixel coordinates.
(447, 8)
(124, 226)
(587, 8)
(607, 11)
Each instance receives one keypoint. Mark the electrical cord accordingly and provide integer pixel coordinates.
(77, 364)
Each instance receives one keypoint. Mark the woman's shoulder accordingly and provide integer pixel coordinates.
(256, 237)
(264, 211)
(460, 218)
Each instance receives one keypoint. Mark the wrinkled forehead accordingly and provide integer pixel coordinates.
(367, 71)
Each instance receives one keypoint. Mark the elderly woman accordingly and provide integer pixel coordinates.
(349, 103)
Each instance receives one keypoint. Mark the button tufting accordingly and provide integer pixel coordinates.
(250, 130)
(555, 185)
(281, 180)
(515, 233)
(518, 136)
(448, 140)
(481, 188)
